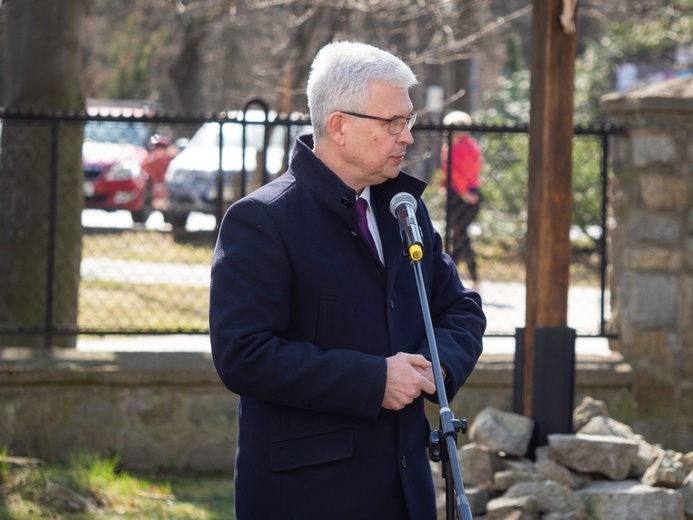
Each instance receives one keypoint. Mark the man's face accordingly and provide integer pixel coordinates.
(373, 153)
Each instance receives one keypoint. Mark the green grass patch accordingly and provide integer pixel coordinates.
(130, 306)
(125, 306)
(89, 486)
(149, 246)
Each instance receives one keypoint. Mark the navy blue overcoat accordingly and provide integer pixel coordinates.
(302, 317)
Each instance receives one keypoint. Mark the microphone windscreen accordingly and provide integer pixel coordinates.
(399, 199)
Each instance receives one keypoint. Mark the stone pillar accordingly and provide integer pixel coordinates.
(651, 253)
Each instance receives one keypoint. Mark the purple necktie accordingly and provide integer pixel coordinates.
(361, 208)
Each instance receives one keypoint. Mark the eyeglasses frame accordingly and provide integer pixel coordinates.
(409, 120)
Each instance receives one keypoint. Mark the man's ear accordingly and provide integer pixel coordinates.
(335, 127)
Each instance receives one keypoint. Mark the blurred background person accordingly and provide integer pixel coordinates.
(161, 150)
(465, 197)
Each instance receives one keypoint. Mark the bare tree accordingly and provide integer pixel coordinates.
(196, 20)
(215, 54)
(434, 36)
(41, 172)
(219, 53)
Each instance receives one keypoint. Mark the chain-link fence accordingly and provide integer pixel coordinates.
(498, 231)
(146, 201)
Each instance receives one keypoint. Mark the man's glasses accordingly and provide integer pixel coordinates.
(397, 124)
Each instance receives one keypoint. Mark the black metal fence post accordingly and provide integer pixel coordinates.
(49, 326)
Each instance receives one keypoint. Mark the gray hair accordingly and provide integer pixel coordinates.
(340, 75)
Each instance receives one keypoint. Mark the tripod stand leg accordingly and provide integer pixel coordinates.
(449, 492)
(456, 503)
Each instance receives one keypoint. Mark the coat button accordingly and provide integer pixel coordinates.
(404, 461)
(346, 202)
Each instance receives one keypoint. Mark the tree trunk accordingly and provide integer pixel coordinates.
(41, 196)
(185, 73)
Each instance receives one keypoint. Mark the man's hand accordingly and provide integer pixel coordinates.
(407, 376)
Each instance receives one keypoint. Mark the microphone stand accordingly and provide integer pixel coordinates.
(449, 426)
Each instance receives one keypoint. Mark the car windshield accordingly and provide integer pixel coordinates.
(233, 136)
(126, 132)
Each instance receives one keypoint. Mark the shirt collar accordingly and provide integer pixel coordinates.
(366, 194)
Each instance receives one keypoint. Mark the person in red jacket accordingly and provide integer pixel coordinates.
(161, 150)
(465, 196)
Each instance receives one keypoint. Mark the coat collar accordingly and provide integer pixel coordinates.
(330, 191)
(329, 188)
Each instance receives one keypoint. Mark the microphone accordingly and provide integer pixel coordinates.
(403, 208)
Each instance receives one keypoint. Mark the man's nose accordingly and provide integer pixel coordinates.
(405, 136)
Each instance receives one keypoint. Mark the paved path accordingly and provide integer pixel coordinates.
(504, 305)
(145, 273)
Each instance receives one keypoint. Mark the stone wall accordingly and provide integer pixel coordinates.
(157, 410)
(169, 410)
(651, 253)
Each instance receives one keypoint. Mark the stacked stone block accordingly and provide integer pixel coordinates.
(651, 252)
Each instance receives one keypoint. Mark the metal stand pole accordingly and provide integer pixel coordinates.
(449, 426)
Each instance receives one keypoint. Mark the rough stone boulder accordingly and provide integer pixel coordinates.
(517, 508)
(587, 410)
(567, 479)
(601, 425)
(629, 499)
(607, 455)
(475, 465)
(502, 431)
(551, 497)
(667, 471)
(687, 492)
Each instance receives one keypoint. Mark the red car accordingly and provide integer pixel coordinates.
(124, 167)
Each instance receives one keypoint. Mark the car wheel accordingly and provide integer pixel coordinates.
(177, 220)
(141, 215)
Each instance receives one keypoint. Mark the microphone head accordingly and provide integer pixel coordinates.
(401, 197)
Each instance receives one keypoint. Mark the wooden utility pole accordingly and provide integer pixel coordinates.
(550, 171)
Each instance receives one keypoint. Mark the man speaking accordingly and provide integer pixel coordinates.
(315, 317)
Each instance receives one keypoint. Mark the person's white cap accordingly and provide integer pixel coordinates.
(457, 118)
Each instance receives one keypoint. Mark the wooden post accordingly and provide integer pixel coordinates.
(550, 171)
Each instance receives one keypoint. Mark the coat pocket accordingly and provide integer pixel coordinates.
(312, 448)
